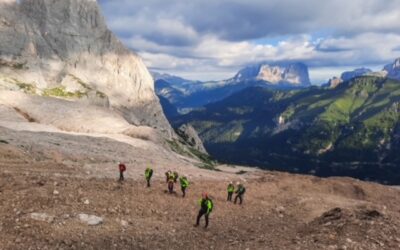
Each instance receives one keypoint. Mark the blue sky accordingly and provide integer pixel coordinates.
(212, 40)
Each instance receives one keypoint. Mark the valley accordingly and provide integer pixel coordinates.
(351, 129)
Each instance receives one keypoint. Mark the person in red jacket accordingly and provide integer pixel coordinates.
(122, 169)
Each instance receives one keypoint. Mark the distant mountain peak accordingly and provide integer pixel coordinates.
(347, 75)
(393, 69)
(276, 73)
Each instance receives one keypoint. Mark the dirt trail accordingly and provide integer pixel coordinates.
(48, 179)
(281, 211)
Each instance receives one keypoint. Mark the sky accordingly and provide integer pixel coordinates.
(213, 39)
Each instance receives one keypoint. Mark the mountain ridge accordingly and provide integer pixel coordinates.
(188, 94)
(350, 130)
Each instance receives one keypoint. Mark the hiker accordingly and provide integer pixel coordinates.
(239, 193)
(170, 181)
(122, 169)
(175, 176)
(148, 173)
(167, 175)
(184, 184)
(231, 189)
(206, 207)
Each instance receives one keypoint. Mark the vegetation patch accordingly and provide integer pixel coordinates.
(82, 83)
(27, 87)
(61, 92)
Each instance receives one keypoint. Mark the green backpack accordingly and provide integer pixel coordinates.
(210, 206)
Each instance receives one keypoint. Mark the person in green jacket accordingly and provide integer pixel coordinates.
(231, 189)
(148, 173)
(184, 184)
(206, 207)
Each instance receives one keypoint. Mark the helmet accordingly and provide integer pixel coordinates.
(238, 183)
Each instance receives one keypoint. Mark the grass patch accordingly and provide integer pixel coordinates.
(203, 157)
(176, 147)
(61, 92)
(82, 83)
(26, 87)
(208, 167)
(207, 162)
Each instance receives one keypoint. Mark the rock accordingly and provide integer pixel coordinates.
(86, 202)
(42, 217)
(55, 192)
(190, 136)
(91, 220)
(280, 209)
(123, 223)
(66, 216)
(46, 50)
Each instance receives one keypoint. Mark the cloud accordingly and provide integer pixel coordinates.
(218, 37)
(237, 20)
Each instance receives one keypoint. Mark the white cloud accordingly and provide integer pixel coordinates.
(201, 39)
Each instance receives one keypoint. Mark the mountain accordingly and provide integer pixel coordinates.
(64, 49)
(351, 130)
(348, 75)
(187, 95)
(295, 74)
(393, 69)
(170, 110)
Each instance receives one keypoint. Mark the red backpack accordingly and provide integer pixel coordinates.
(122, 167)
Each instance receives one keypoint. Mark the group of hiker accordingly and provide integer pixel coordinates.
(239, 192)
(206, 204)
(172, 178)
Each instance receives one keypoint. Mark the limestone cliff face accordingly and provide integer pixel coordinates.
(63, 48)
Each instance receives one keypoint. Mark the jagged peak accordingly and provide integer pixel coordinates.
(292, 73)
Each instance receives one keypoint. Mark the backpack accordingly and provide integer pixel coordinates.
(210, 205)
(149, 172)
(242, 190)
(184, 182)
(122, 168)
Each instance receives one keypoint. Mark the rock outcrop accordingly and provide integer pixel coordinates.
(190, 136)
(348, 75)
(63, 49)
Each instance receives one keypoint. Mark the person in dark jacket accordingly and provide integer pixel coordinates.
(170, 180)
(148, 173)
(122, 169)
(239, 193)
(206, 207)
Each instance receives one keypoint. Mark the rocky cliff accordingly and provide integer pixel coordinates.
(64, 49)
